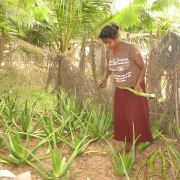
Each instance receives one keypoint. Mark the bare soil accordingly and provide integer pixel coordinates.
(94, 164)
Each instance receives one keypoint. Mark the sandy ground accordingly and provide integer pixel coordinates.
(94, 164)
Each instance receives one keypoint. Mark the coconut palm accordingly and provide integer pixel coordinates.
(55, 22)
(69, 18)
(143, 15)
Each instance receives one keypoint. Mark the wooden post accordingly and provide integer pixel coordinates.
(151, 41)
(176, 98)
(103, 60)
(94, 70)
(159, 33)
(2, 42)
(128, 37)
(82, 55)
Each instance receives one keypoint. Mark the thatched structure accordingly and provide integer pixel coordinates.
(32, 66)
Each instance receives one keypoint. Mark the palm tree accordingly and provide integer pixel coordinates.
(69, 18)
(145, 18)
(141, 15)
(55, 22)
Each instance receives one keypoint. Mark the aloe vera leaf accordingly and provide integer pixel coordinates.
(152, 160)
(138, 93)
(163, 165)
(63, 139)
(56, 162)
(12, 151)
(174, 152)
(29, 156)
(73, 156)
(56, 157)
(16, 144)
(10, 161)
(143, 145)
(36, 168)
(63, 165)
(114, 165)
(15, 156)
(40, 163)
(109, 134)
(118, 162)
(130, 162)
(124, 156)
(145, 163)
(125, 171)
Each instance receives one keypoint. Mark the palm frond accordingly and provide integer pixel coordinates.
(128, 17)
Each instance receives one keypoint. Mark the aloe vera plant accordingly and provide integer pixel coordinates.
(27, 120)
(171, 156)
(47, 123)
(77, 134)
(149, 165)
(122, 163)
(69, 107)
(100, 122)
(60, 164)
(9, 108)
(76, 138)
(17, 152)
(148, 162)
(174, 158)
(24, 121)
